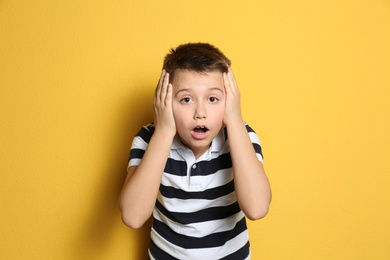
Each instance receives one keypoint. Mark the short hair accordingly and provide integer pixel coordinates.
(198, 57)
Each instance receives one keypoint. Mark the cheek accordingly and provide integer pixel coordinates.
(175, 111)
(220, 111)
(179, 114)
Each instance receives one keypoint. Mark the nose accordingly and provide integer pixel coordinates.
(200, 111)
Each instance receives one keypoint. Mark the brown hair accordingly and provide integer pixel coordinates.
(199, 57)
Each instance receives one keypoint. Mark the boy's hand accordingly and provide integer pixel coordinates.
(233, 99)
(163, 115)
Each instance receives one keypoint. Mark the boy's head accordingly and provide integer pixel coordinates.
(198, 57)
(198, 105)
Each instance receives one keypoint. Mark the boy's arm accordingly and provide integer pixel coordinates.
(251, 183)
(139, 193)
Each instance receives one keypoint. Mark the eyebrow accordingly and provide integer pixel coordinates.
(187, 89)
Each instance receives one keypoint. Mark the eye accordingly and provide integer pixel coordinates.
(213, 99)
(186, 100)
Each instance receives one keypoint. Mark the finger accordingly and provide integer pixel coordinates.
(228, 83)
(160, 82)
(231, 76)
(232, 80)
(168, 99)
(164, 88)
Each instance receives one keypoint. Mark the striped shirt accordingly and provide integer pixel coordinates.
(196, 215)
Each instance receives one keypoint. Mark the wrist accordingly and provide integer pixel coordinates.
(164, 133)
(234, 121)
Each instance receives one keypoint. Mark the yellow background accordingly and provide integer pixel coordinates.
(77, 81)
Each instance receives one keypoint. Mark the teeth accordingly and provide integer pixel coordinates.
(201, 129)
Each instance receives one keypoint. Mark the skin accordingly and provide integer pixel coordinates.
(195, 99)
(198, 101)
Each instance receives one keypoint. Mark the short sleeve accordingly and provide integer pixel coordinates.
(140, 143)
(255, 142)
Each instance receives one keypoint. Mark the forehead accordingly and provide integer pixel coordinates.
(191, 80)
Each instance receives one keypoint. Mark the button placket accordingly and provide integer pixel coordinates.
(194, 181)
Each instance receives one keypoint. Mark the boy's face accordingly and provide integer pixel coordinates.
(198, 107)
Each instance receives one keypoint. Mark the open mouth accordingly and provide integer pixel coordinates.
(200, 129)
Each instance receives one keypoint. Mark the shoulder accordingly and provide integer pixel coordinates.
(255, 142)
(142, 138)
(146, 132)
(249, 129)
(140, 143)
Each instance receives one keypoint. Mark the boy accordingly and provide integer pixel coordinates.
(198, 168)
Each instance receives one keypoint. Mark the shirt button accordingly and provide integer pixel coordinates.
(194, 166)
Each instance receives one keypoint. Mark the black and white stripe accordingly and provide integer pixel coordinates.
(197, 215)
